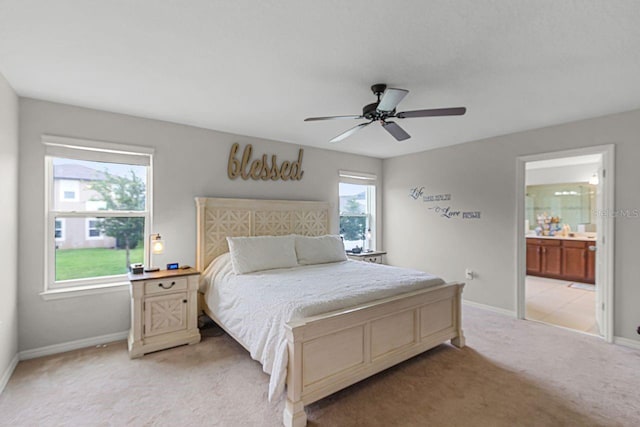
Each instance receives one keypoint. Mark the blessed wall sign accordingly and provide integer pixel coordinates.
(262, 168)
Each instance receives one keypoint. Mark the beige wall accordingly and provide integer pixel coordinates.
(9, 221)
(188, 162)
(191, 162)
(480, 176)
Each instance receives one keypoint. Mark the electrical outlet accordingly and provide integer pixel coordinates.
(468, 274)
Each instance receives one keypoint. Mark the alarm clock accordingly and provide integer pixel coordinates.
(173, 266)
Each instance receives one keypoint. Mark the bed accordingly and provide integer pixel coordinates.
(322, 351)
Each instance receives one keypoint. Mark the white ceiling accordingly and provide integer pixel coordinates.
(259, 68)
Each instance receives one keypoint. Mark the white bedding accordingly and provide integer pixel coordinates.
(254, 307)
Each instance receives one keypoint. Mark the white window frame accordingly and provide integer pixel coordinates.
(98, 151)
(371, 181)
(88, 229)
(62, 229)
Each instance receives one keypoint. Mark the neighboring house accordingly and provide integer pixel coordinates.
(72, 191)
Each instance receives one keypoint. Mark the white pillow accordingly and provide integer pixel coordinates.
(262, 253)
(319, 250)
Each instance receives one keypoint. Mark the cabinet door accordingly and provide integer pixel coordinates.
(591, 263)
(165, 313)
(552, 260)
(533, 259)
(574, 263)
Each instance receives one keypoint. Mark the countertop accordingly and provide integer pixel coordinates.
(581, 238)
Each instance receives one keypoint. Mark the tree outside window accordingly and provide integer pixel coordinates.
(356, 204)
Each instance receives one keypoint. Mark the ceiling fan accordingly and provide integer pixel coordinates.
(384, 109)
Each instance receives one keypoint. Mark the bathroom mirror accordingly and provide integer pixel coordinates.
(574, 203)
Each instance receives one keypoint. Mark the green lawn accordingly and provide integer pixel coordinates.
(95, 262)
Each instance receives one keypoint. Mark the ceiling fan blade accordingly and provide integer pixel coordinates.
(396, 131)
(391, 98)
(313, 119)
(350, 132)
(457, 111)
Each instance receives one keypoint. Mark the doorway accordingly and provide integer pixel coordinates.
(565, 239)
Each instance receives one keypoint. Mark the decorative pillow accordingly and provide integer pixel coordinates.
(320, 250)
(250, 254)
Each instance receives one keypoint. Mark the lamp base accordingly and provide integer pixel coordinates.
(151, 269)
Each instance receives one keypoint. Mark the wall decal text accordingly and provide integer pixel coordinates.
(416, 193)
(446, 212)
(436, 198)
(471, 215)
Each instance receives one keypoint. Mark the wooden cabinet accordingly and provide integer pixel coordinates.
(163, 310)
(574, 260)
(534, 259)
(544, 257)
(591, 262)
(551, 260)
(561, 259)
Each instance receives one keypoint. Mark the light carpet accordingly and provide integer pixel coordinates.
(512, 373)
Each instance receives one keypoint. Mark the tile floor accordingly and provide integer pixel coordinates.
(555, 302)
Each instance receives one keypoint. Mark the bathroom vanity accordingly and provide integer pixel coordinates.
(564, 258)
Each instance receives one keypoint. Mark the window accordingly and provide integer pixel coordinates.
(59, 229)
(93, 228)
(98, 211)
(68, 189)
(357, 193)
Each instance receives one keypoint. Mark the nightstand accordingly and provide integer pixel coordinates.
(375, 256)
(164, 310)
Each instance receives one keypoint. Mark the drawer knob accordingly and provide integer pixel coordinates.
(166, 287)
(184, 301)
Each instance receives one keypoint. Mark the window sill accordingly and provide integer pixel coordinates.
(80, 291)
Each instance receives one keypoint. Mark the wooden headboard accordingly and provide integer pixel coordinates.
(219, 218)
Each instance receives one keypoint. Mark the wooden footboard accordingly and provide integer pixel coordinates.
(332, 351)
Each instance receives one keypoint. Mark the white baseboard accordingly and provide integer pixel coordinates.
(627, 342)
(4, 379)
(72, 345)
(490, 308)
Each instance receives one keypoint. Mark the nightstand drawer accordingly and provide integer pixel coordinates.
(374, 259)
(169, 284)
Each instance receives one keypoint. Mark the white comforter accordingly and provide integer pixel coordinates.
(254, 307)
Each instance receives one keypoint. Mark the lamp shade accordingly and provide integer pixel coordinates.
(157, 244)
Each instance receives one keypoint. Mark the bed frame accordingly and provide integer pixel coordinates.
(334, 350)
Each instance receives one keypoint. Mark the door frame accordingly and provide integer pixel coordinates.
(606, 237)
